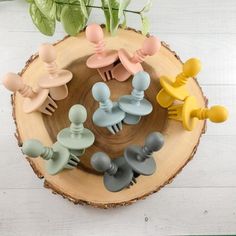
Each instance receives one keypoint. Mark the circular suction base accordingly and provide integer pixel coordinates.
(144, 167)
(164, 99)
(59, 161)
(179, 93)
(59, 79)
(33, 104)
(126, 60)
(121, 179)
(77, 153)
(131, 119)
(130, 106)
(81, 141)
(97, 61)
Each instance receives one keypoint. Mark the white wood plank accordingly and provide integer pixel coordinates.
(216, 52)
(194, 17)
(173, 211)
(15, 17)
(19, 173)
(7, 125)
(223, 95)
(213, 165)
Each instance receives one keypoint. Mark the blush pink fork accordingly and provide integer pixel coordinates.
(103, 60)
(131, 64)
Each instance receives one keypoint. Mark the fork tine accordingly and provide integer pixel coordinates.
(172, 112)
(52, 102)
(50, 108)
(173, 117)
(45, 111)
(120, 126)
(72, 166)
(53, 105)
(115, 128)
(110, 75)
(174, 107)
(75, 158)
(106, 76)
(134, 180)
(110, 129)
(68, 166)
(74, 163)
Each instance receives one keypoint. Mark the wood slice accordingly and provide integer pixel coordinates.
(83, 185)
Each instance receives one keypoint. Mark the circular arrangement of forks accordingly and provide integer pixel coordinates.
(83, 185)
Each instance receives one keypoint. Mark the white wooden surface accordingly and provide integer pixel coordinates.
(201, 200)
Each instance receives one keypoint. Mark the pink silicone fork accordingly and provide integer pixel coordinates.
(131, 64)
(103, 60)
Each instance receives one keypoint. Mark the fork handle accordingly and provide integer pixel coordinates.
(216, 114)
(27, 91)
(51, 68)
(181, 79)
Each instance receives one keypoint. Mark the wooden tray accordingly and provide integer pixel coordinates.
(83, 185)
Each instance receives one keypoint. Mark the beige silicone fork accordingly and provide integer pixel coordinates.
(33, 100)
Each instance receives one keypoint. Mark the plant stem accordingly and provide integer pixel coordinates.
(99, 7)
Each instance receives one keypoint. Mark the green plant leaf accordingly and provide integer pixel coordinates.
(83, 8)
(147, 6)
(106, 14)
(45, 25)
(145, 25)
(123, 5)
(114, 19)
(72, 19)
(111, 15)
(59, 8)
(47, 7)
(66, 1)
(89, 3)
(74, 14)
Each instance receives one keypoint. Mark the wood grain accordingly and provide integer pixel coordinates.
(79, 185)
(199, 200)
(80, 91)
